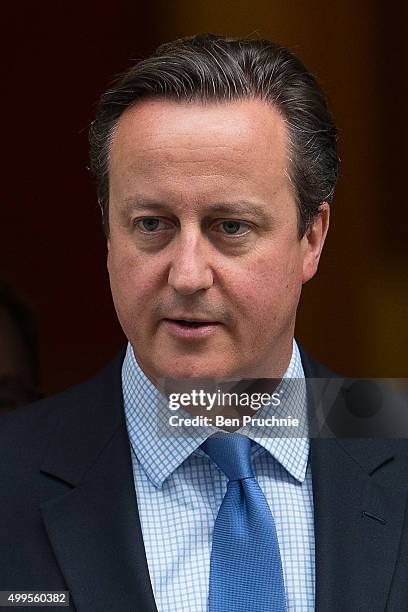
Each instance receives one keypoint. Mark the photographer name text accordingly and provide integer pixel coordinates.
(222, 421)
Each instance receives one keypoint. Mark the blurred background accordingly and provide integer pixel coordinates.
(61, 56)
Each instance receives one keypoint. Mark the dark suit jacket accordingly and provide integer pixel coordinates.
(69, 518)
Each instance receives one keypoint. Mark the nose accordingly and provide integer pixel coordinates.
(190, 270)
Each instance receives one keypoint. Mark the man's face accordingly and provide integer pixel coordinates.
(204, 229)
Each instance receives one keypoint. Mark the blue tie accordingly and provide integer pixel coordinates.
(245, 570)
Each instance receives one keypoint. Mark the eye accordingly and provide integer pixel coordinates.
(151, 224)
(231, 227)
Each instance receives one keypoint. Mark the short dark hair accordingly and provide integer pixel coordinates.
(211, 68)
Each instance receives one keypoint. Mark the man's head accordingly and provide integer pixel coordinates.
(216, 161)
(211, 68)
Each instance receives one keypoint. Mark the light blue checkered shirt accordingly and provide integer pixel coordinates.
(180, 490)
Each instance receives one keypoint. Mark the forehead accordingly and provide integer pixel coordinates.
(152, 124)
(203, 147)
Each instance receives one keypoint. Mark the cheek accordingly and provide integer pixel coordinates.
(130, 283)
(266, 284)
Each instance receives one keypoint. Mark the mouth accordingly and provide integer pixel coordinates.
(190, 328)
(186, 323)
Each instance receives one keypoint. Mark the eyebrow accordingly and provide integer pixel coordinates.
(238, 207)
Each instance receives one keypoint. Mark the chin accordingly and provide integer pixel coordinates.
(195, 370)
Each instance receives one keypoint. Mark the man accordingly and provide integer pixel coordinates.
(216, 165)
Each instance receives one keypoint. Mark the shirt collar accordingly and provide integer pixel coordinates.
(160, 454)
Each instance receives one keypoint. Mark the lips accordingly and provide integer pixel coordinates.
(192, 329)
(189, 321)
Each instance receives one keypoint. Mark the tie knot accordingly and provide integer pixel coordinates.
(232, 453)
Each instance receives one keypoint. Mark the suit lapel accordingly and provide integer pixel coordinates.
(360, 498)
(94, 528)
(357, 526)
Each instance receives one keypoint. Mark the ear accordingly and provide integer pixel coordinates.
(108, 256)
(313, 242)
